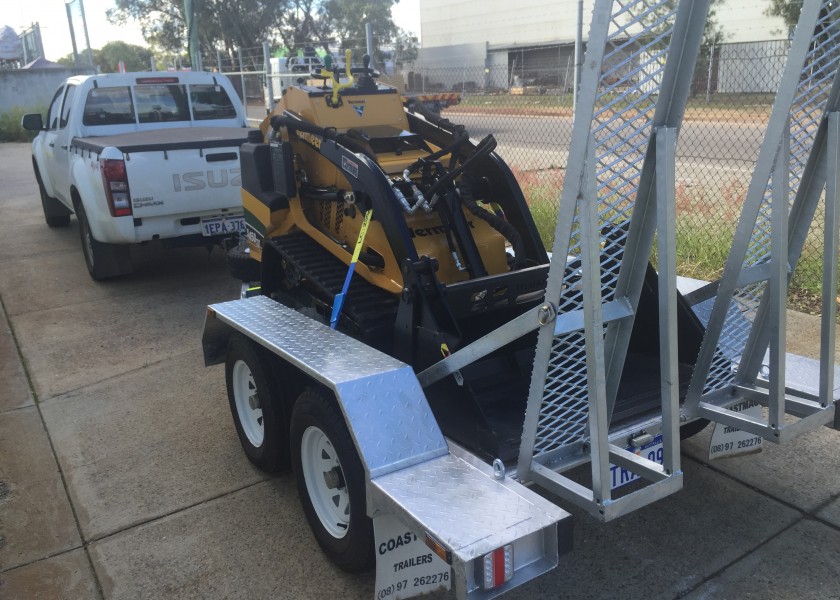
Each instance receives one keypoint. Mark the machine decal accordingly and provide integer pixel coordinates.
(405, 567)
(349, 166)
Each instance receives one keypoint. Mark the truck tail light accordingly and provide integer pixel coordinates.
(115, 179)
(496, 567)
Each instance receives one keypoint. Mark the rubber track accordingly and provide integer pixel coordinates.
(371, 310)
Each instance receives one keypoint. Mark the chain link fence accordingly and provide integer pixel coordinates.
(528, 106)
(246, 69)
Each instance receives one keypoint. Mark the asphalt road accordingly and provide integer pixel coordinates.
(723, 144)
(121, 476)
(718, 141)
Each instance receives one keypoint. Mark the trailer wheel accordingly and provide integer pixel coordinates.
(255, 399)
(331, 483)
(693, 428)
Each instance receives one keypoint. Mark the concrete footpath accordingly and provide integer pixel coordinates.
(121, 476)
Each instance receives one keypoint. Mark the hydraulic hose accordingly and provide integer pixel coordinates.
(450, 149)
(507, 230)
(484, 147)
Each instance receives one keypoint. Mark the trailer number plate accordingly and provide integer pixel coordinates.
(222, 225)
(405, 566)
(651, 451)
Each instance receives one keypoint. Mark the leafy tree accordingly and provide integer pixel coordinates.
(713, 33)
(107, 59)
(229, 24)
(304, 23)
(788, 10)
(226, 23)
(83, 60)
(347, 18)
(135, 58)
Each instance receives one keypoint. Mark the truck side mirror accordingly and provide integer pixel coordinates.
(32, 122)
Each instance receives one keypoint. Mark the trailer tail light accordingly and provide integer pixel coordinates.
(496, 567)
(115, 179)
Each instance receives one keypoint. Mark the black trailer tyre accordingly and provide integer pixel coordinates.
(331, 483)
(255, 401)
(693, 428)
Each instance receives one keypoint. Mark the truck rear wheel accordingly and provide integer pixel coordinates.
(331, 483)
(255, 399)
(102, 260)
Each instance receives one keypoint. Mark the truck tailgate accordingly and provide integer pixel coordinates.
(184, 182)
(178, 171)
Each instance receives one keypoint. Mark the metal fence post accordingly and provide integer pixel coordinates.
(242, 76)
(269, 83)
(709, 74)
(369, 39)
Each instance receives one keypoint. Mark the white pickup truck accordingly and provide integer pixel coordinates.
(140, 157)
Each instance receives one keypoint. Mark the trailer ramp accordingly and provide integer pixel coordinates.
(618, 193)
(745, 311)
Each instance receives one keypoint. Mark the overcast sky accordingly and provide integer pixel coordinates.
(55, 31)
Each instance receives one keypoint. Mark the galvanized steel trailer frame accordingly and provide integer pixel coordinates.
(618, 197)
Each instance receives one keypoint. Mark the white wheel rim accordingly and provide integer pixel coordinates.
(325, 484)
(247, 403)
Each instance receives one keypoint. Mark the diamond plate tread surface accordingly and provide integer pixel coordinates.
(385, 407)
(469, 511)
(327, 354)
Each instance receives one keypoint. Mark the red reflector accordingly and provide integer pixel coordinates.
(156, 80)
(113, 170)
(115, 178)
(498, 567)
(495, 568)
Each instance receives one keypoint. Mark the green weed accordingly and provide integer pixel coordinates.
(10, 129)
(706, 220)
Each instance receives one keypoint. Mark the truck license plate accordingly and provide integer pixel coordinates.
(222, 225)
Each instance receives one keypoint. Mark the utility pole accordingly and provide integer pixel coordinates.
(87, 37)
(72, 35)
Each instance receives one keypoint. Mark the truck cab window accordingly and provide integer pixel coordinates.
(161, 103)
(108, 106)
(68, 103)
(55, 110)
(211, 102)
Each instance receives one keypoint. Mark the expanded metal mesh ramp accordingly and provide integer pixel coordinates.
(618, 193)
(744, 311)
